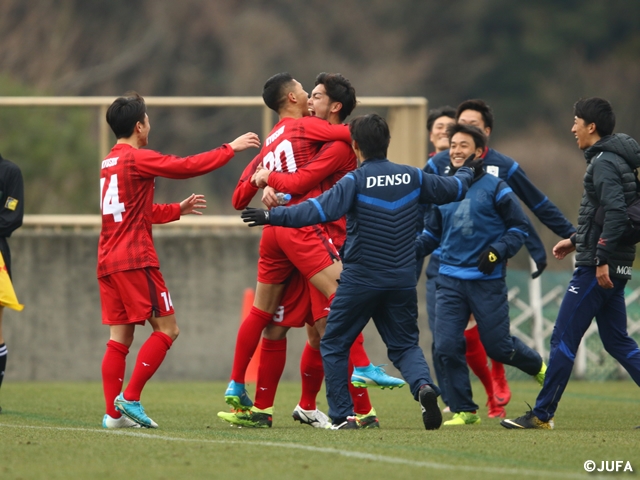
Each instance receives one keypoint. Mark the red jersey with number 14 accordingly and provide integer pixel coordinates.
(127, 181)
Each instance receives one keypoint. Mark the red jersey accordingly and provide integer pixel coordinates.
(126, 201)
(292, 144)
(333, 161)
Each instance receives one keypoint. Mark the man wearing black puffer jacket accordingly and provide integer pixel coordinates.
(603, 261)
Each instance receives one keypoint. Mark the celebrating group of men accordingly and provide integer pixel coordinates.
(344, 250)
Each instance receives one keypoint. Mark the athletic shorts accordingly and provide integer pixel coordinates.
(301, 303)
(134, 296)
(283, 250)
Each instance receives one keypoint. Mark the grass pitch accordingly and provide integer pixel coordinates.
(53, 431)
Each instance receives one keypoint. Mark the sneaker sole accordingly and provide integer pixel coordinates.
(431, 416)
(447, 424)
(359, 384)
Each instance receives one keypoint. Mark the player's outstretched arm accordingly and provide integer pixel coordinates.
(248, 140)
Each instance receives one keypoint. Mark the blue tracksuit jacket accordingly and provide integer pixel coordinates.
(381, 200)
(489, 216)
(507, 169)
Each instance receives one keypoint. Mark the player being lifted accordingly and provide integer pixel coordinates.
(332, 99)
(132, 290)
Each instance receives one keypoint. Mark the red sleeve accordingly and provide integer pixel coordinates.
(327, 161)
(155, 164)
(318, 130)
(245, 190)
(165, 213)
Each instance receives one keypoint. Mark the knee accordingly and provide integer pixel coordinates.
(172, 332)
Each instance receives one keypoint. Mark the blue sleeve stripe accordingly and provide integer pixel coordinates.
(350, 176)
(459, 196)
(502, 193)
(633, 352)
(428, 233)
(389, 205)
(518, 230)
(323, 217)
(544, 200)
(512, 170)
(433, 166)
(420, 175)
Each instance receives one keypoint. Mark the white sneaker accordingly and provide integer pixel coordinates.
(123, 422)
(315, 418)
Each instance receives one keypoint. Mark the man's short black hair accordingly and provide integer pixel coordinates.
(479, 138)
(436, 113)
(339, 89)
(274, 92)
(371, 132)
(479, 106)
(596, 110)
(125, 112)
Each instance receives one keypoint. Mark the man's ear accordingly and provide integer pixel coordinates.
(292, 97)
(336, 107)
(591, 128)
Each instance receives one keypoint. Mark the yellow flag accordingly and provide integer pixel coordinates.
(7, 293)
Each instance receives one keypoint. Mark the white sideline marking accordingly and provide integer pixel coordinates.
(333, 451)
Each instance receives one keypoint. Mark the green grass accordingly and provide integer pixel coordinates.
(52, 431)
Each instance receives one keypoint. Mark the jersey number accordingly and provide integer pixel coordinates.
(273, 160)
(110, 204)
(167, 300)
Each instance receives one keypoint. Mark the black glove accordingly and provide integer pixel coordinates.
(255, 216)
(488, 261)
(475, 165)
(540, 266)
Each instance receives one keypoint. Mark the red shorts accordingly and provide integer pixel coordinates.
(301, 303)
(134, 296)
(283, 250)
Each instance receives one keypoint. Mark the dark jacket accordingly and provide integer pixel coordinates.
(381, 200)
(610, 182)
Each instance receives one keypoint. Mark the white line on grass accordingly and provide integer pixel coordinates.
(333, 451)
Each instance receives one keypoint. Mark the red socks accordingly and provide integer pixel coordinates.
(273, 357)
(312, 374)
(150, 357)
(357, 354)
(249, 335)
(360, 396)
(113, 368)
(477, 359)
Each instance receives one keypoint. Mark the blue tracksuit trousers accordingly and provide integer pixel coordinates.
(583, 301)
(487, 299)
(395, 314)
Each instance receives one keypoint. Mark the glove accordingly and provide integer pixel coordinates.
(488, 261)
(540, 267)
(474, 164)
(255, 216)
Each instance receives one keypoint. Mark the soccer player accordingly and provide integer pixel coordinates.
(132, 290)
(476, 236)
(479, 114)
(380, 200)
(11, 214)
(603, 260)
(332, 99)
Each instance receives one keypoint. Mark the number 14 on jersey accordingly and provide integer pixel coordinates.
(110, 203)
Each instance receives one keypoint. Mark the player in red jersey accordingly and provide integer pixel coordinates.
(132, 289)
(332, 99)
